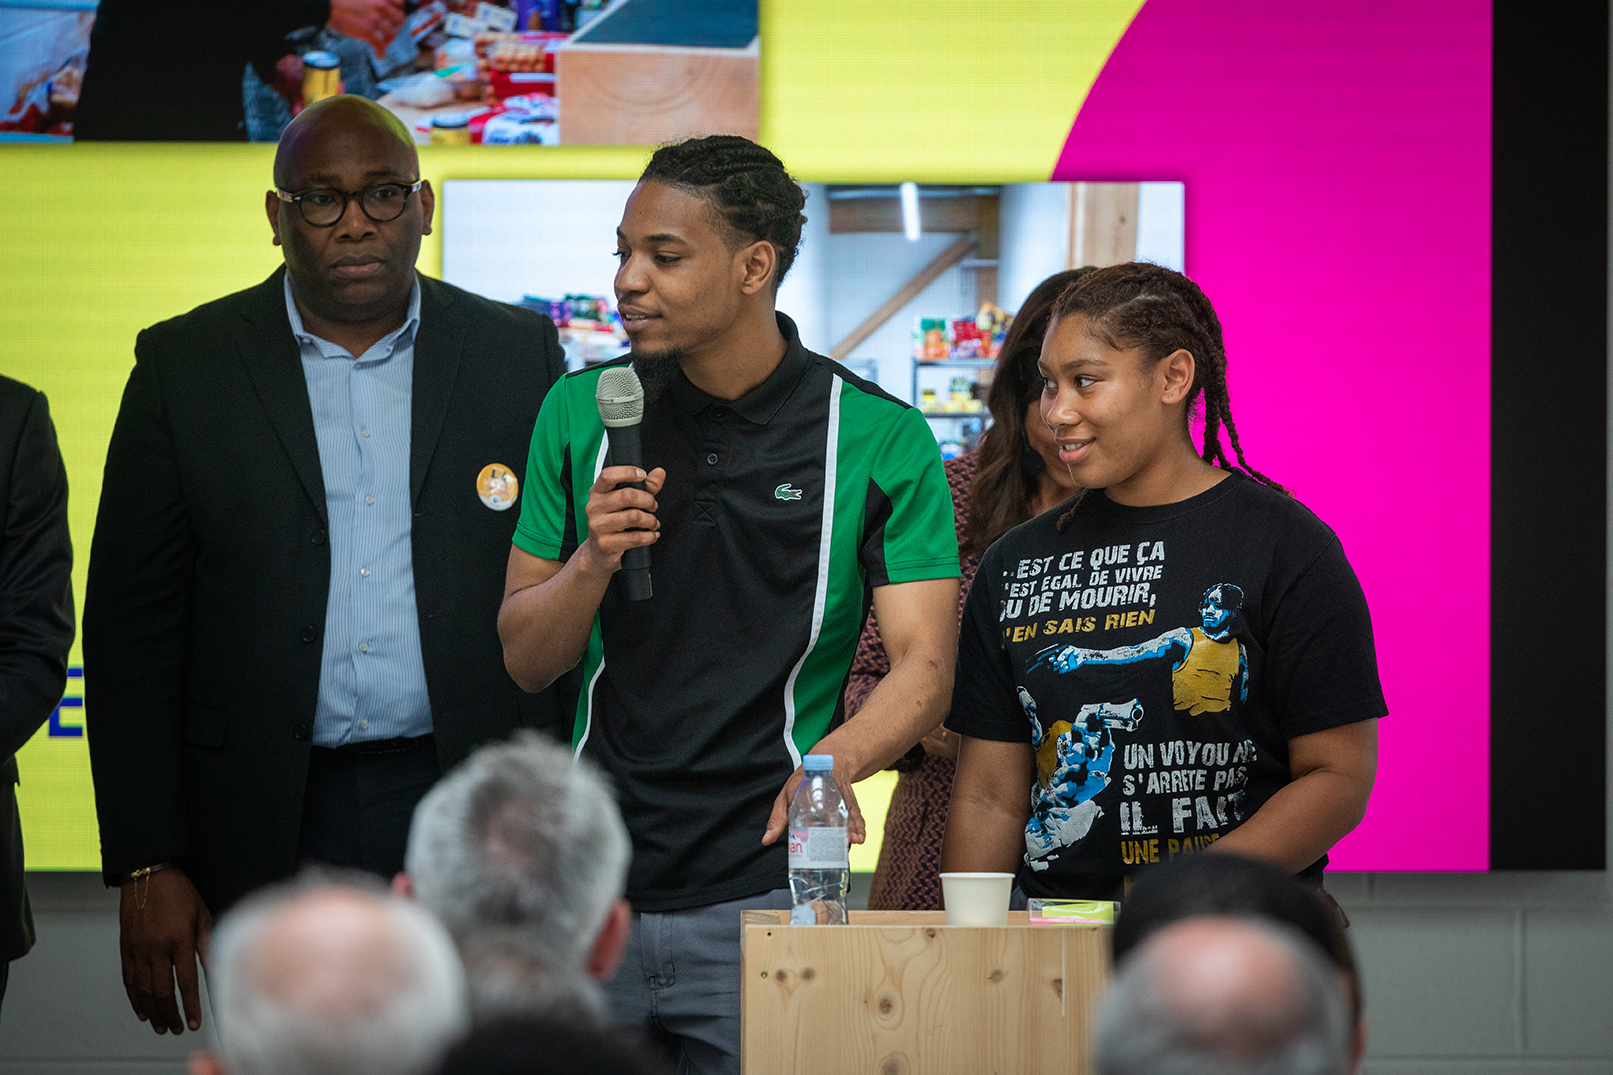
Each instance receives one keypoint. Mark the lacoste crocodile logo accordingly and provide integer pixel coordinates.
(784, 492)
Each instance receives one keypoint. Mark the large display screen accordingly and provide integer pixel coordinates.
(457, 72)
(1339, 177)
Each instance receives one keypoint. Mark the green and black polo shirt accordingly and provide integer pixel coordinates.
(781, 510)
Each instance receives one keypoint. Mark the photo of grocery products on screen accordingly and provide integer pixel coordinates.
(455, 72)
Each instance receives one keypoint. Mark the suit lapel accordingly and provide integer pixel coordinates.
(274, 364)
(437, 348)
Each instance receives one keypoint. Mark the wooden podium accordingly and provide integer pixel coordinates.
(903, 993)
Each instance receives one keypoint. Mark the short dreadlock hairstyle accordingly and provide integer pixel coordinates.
(1160, 311)
(745, 183)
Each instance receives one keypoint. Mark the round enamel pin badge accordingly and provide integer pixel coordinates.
(497, 486)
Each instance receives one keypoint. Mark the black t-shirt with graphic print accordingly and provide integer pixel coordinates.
(1158, 659)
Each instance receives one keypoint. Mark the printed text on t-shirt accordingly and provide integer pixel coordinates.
(1109, 577)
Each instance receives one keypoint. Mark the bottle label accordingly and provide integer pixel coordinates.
(819, 848)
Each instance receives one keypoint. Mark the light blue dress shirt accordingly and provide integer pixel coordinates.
(372, 680)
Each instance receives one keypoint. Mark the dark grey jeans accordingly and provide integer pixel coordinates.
(679, 981)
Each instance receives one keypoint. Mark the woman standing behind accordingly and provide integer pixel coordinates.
(1014, 475)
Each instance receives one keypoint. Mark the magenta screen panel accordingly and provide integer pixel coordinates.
(1336, 159)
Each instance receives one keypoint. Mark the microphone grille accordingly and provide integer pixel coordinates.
(620, 396)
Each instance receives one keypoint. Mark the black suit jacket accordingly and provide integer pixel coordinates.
(36, 618)
(208, 577)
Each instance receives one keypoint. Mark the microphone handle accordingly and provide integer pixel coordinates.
(625, 451)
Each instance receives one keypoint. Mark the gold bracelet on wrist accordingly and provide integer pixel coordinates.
(142, 882)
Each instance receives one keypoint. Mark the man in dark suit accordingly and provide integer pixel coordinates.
(36, 622)
(290, 626)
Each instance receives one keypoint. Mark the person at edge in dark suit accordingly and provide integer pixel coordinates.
(36, 623)
(290, 625)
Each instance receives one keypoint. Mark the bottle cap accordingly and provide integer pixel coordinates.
(818, 763)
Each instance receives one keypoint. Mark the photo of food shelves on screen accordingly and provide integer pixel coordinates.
(911, 286)
(455, 72)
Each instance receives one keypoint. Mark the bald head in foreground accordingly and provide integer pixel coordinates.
(333, 979)
(1225, 996)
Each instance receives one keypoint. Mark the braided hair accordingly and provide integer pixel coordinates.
(1160, 311)
(744, 182)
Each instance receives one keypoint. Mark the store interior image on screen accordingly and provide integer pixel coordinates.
(915, 299)
(911, 286)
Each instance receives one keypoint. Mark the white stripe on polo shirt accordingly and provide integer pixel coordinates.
(820, 594)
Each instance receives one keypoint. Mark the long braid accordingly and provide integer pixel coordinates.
(1068, 517)
(1160, 311)
(1225, 405)
(745, 182)
(1210, 371)
(1217, 399)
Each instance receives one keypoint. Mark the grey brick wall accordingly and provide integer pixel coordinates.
(1484, 973)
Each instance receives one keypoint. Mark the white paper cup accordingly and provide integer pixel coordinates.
(977, 899)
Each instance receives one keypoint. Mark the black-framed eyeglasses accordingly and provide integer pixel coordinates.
(381, 202)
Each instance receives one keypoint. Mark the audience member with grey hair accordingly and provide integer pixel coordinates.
(332, 979)
(511, 976)
(1225, 996)
(522, 853)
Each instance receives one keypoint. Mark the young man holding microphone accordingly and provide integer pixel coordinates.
(779, 493)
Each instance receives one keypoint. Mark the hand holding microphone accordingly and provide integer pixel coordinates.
(621, 505)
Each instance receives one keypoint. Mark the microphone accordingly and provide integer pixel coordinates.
(621, 407)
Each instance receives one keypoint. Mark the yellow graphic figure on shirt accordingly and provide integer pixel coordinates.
(1047, 750)
(1202, 682)
(1206, 661)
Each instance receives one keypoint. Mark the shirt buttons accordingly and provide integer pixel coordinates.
(364, 647)
(711, 460)
(363, 725)
(364, 571)
(369, 499)
(364, 432)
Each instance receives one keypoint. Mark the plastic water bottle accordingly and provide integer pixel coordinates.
(819, 849)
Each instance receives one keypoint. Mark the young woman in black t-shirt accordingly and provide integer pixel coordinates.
(1180, 658)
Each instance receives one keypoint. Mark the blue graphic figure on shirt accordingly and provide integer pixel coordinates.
(1207, 662)
(1072, 761)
